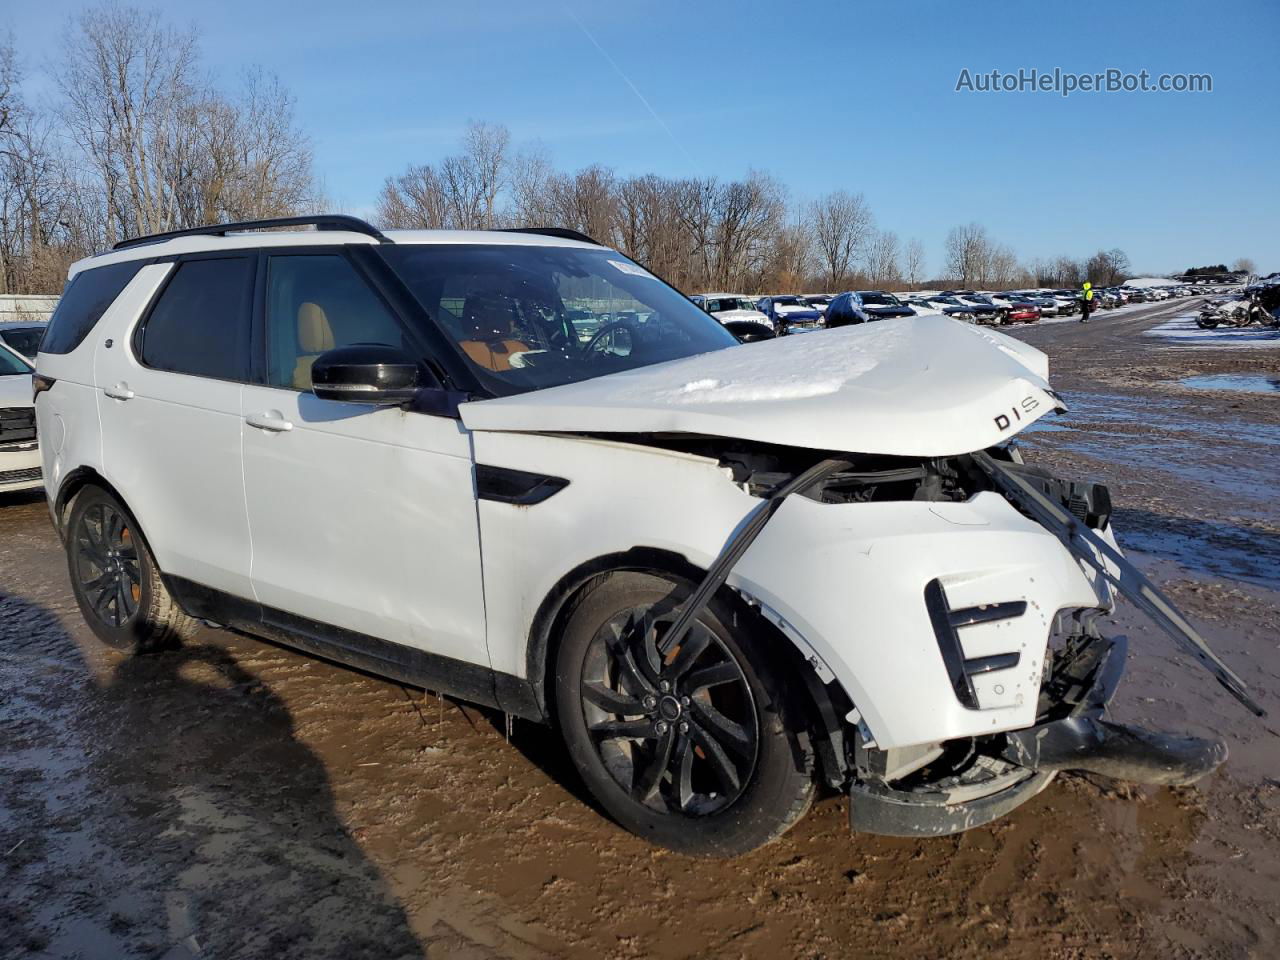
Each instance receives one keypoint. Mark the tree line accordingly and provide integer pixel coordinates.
(138, 140)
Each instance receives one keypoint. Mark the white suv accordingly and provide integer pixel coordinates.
(518, 468)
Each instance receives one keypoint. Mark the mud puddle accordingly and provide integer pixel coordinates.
(1235, 383)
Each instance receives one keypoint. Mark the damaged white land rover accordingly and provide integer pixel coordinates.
(517, 468)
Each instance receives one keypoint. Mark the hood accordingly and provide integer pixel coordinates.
(888, 310)
(927, 386)
(15, 391)
(753, 315)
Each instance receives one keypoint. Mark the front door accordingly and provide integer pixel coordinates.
(362, 517)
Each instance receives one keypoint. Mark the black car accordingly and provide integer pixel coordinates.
(883, 306)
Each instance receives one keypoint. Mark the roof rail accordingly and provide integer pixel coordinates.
(562, 232)
(324, 221)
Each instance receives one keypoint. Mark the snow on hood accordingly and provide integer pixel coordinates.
(15, 390)
(756, 315)
(920, 386)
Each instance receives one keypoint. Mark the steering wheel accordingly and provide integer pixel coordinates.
(600, 334)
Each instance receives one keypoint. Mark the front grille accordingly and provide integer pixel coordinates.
(18, 476)
(17, 424)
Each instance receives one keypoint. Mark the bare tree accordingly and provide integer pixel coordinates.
(968, 253)
(840, 222)
(584, 201)
(1107, 267)
(1245, 265)
(913, 263)
(164, 149)
(415, 200)
(883, 269)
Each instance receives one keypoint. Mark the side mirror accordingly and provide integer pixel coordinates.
(366, 373)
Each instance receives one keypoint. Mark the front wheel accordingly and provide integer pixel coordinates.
(697, 748)
(115, 579)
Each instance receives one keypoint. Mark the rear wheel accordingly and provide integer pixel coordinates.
(696, 748)
(115, 579)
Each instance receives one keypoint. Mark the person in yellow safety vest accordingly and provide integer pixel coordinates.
(1086, 302)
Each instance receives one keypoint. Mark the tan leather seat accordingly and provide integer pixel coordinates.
(491, 320)
(315, 336)
(493, 354)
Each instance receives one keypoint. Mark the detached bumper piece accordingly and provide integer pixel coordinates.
(1094, 745)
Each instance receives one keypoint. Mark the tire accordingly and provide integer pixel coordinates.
(115, 578)
(731, 770)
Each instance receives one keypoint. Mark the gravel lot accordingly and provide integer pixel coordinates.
(239, 800)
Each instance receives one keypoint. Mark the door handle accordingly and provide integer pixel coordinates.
(120, 391)
(272, 420)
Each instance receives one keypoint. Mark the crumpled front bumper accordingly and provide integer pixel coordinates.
(1073, 737)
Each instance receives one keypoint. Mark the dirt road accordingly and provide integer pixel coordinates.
(239, 800)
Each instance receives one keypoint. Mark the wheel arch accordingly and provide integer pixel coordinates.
(71, 487)
(823, 704)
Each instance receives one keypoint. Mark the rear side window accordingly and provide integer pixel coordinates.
(83, 303)
(200, 322)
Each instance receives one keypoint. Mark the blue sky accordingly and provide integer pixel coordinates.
(822, 95)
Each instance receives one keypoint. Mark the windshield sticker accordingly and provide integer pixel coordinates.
(632, 269)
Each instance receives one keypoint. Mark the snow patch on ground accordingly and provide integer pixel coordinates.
(1183, 329)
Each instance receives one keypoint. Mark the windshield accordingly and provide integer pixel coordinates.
(26, 340)
(790, 302)
(730, 303)
(11, 364)
(528, 317)
(883, 299)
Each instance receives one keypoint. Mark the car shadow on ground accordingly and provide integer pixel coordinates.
(166, 808)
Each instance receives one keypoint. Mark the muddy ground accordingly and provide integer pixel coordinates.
(240, 800)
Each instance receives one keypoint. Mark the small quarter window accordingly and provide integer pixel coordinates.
(84, 301)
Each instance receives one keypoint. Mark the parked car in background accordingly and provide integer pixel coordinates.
(23, 337)
(957, 311)
(883, 306)
(789, 312)
(19, 451)
(819, 301)
(847, 309)
(979, 312)
(732, 308)
(1048, 306)
(1017, 308)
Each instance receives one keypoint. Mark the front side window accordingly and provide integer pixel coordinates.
(316, 302)
(528, 317)
(200, 323)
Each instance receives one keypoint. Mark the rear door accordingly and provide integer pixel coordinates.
(169, 404)
(363, 518)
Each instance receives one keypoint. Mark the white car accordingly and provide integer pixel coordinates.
(724, 575)
(732, 308)
(19, 451)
